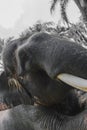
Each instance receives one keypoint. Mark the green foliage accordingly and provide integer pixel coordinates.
(77, 33)
(1, 44)
(9, 39)
(47, 26)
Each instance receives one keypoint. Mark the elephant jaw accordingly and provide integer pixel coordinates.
(73, 81)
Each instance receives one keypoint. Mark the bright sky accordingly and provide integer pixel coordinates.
(20, 14)
(10, 11)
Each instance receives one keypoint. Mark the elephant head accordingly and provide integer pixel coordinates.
(53, 71)
(47, 61)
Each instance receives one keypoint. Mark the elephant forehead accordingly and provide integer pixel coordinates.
(53, 55)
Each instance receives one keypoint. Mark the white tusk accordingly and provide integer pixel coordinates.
(73, 81)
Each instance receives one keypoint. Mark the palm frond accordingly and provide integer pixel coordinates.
(54, 2)
(83, 9)
(63, 5)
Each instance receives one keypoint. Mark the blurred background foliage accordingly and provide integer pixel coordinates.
(75, 32)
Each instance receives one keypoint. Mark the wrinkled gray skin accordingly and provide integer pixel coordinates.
(43, 52)
(37, 118)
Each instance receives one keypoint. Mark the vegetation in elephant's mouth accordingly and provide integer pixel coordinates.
(4, 106)
(14, 83)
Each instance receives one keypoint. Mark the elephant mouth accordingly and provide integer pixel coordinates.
(74, 81)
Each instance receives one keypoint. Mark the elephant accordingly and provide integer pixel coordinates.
(53, 71)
